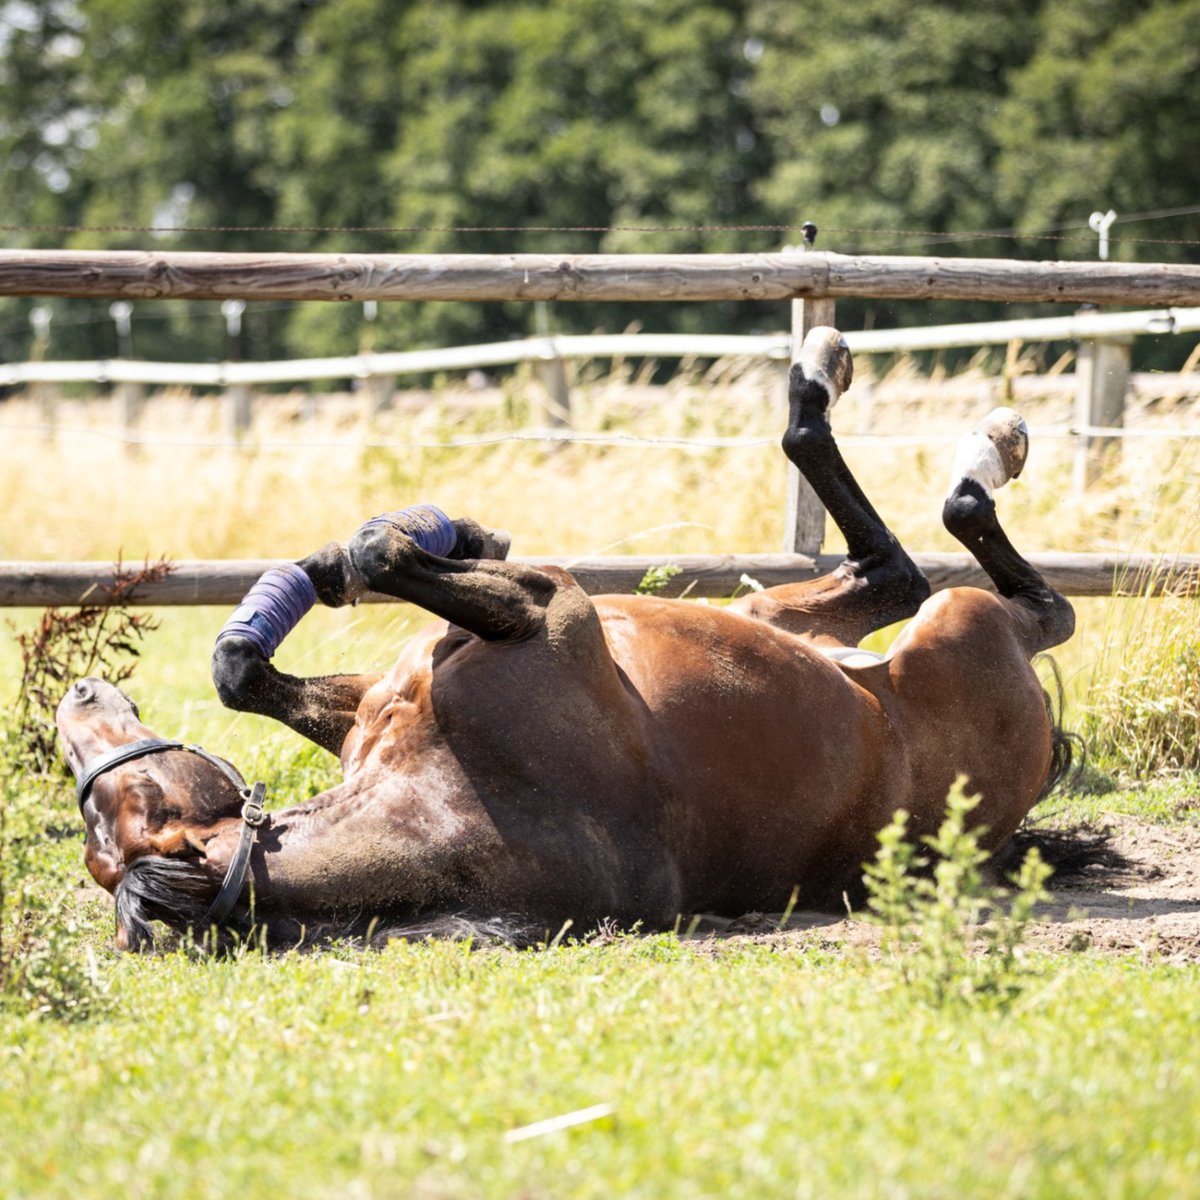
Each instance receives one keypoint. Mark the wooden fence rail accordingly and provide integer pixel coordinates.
(224, 582)
(191, 275)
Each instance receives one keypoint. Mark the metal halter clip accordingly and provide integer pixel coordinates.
(252, 810)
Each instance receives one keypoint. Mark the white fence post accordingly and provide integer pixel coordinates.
(380, 390)
(551, 372)
(131, 398)
(46, 394)
(238, 397)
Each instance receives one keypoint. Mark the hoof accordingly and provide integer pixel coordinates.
(475, 541)
(825, 359)
(993, 452)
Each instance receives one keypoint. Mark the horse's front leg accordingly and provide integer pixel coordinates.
(321, 709)
(428, 562)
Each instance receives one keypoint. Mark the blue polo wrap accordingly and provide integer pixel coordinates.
(428, 526)
(272, 608)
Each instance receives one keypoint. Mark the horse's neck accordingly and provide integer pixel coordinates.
(343, 849)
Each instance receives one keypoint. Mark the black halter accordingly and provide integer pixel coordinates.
(252, 811)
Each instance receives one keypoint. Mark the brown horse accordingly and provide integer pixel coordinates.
(547, 756)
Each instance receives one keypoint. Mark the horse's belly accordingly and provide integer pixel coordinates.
(782, 771)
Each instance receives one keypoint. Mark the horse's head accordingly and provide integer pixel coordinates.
(165, 804)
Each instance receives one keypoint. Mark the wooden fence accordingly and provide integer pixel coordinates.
(225, 582)
(812, 279)
(183, 275)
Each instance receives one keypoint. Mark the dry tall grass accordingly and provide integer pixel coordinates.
(312, 468)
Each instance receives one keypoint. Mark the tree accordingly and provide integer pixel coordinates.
(879, 118)
(1100, 118)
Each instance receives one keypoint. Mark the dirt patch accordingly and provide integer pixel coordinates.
(1147, 902)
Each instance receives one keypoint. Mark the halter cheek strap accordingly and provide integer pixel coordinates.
(252, 811)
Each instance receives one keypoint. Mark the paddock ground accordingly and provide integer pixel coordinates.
(1148, 903)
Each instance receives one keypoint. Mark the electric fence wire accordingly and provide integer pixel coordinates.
(566, 437)
(1071, 229)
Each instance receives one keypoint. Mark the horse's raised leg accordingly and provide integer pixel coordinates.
(988, 457)
(877, 583)
(322, 709)
(493, 599)
(958, 679)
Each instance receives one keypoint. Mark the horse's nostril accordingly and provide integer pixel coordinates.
(83, 691)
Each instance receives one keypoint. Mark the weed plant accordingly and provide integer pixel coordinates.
(948, 935)
(47, 967)
(67, 644)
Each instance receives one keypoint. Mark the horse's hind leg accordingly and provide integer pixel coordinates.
(965, 699)
(877, 583)
(322, 709)
(988, 457)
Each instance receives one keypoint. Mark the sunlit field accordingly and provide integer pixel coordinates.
(663, 1065)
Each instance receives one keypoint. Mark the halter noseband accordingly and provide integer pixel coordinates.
(252, 811)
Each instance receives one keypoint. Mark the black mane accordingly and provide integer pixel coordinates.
(161, 889)
(179, 894)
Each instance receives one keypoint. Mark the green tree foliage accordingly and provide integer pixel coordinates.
(1099, 115)
(929, 117)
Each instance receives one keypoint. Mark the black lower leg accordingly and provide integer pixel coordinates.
(497, 601)
(970, 515)
(872, 551)
(321, 709)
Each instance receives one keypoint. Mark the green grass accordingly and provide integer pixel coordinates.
(746, 1069)
(752, 1070)
(1167, 800)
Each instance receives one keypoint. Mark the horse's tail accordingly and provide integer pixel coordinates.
(1068, 754)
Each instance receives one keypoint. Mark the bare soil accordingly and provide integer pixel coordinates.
(1147, 901)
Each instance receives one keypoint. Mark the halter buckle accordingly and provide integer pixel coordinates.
(252, 810)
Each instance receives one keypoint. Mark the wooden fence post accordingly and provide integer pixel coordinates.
(379, 390)
(804, 515)
(551, 373)
(1101, 382)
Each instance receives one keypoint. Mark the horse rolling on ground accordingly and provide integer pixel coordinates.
(541, 756)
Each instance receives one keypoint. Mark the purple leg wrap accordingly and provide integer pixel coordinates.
(271, 609)
(429, 527)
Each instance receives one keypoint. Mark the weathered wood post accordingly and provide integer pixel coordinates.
(804, 516)
(1101, 384)
(551, 373)
(237, 395)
